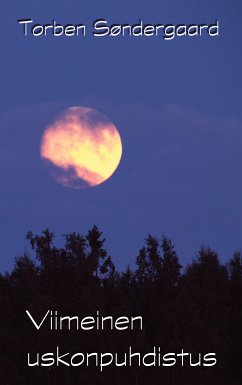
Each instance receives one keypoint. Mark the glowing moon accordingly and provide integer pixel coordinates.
(81, 147)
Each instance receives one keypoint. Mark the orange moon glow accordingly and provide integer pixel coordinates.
(82, 148)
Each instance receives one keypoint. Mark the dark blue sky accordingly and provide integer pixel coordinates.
(177, 105)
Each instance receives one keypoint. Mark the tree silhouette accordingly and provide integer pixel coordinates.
(170, 264)
(198, 308)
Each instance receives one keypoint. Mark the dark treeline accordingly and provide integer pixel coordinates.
(197, 308)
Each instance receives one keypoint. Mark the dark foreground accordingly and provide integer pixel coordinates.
(196, 310)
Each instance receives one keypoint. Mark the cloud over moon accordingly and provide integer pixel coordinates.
(81, 147)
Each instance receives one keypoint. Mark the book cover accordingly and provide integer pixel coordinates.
(120, 200)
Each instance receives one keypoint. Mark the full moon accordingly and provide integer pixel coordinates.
(81, 148)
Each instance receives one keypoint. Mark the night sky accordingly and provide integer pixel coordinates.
(176, 104)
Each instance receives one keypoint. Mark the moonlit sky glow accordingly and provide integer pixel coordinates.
(84, 147)
(177, 107)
